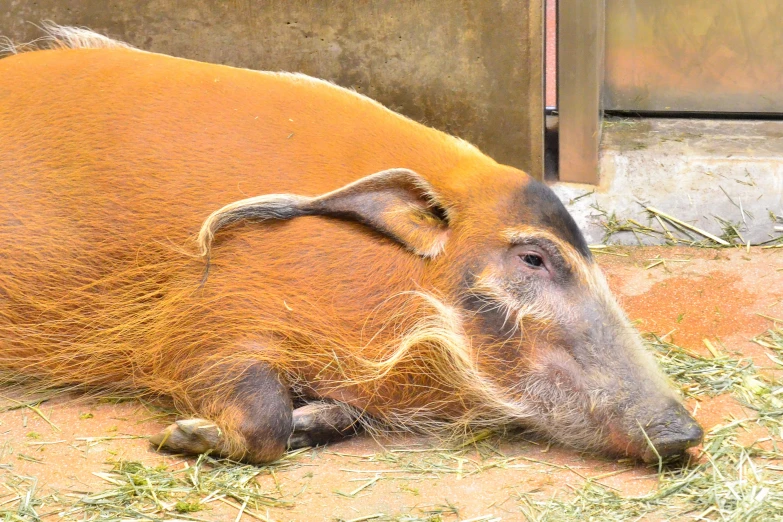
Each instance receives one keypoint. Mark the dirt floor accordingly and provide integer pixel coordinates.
(63, 452)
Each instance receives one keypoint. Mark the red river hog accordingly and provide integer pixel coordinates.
(285, 260)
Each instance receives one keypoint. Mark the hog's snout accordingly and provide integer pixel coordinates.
(673, 432)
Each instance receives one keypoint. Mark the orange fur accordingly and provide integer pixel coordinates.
(113, 165)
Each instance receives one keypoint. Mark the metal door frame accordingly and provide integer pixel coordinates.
(580, 59)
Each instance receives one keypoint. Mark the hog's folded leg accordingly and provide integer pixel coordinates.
(248, 418)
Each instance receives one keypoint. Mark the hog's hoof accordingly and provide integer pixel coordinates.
(193, 436)
(318, 423)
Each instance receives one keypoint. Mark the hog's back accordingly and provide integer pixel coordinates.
(111, 143)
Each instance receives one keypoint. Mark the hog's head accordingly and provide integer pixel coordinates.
(556, 336)
(568, 350)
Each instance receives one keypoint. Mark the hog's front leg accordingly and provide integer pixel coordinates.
(252, 419)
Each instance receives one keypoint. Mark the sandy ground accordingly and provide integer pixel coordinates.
(696, 294)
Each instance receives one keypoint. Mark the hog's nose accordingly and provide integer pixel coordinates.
(675, 433)
(675, 443)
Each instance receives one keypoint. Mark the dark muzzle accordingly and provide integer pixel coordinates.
(673, 432)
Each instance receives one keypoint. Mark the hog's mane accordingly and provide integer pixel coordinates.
(132, 332)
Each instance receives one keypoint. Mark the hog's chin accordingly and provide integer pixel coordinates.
(568, 407)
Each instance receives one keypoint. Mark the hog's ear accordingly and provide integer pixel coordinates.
(397, 203)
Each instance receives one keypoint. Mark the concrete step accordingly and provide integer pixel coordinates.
(724, 177)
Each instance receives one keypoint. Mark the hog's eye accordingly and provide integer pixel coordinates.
(532, 260)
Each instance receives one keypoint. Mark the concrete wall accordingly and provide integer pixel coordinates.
(462, 67)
